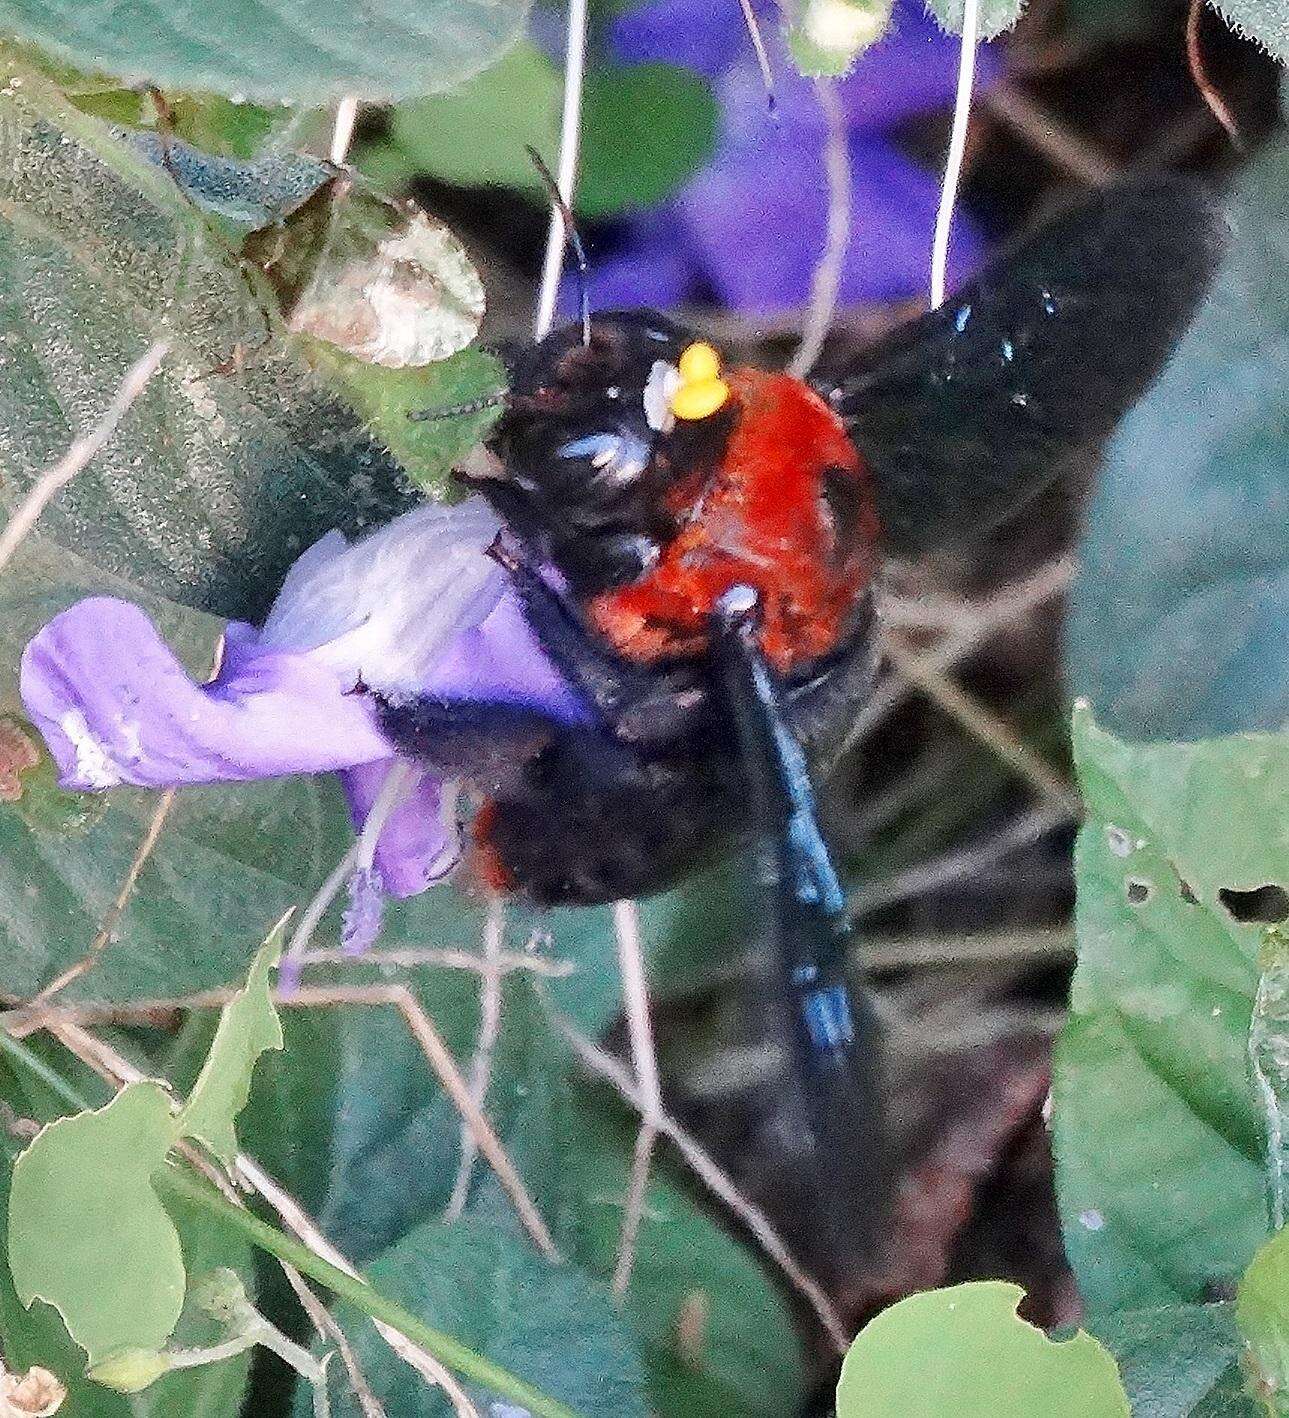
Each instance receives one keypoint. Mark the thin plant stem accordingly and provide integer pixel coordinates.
(342, 132)
(982, 723)
(112, 918)
(635, 997)
(707, 1170)
(826, 282)
(957, 150)
(494, 934)
(566, 176)
(82, 452)
(1209, 92)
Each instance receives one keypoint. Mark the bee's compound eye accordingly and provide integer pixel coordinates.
(617, 457)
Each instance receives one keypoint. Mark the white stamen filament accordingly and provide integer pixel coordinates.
(957, 148)
(566, 177)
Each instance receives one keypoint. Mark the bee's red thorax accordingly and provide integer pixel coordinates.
(762, 517)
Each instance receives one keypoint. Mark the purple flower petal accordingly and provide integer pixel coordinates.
(757, 222)
(360, 924)
(417, 845)
(648, 266)
(703, 36)
(503, 662)
(115, 705)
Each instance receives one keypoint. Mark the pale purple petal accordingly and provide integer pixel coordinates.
(502, 662)
(361, 922)
(757, 222)
(115, 705)
(417, 846)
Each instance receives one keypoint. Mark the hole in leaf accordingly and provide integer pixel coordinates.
(1263, 906)
(1138, 892)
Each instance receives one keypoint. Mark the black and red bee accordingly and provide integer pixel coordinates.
(695, 545)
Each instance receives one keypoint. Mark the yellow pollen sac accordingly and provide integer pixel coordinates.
(702, 391)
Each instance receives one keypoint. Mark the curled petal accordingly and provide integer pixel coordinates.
(418, 844)
(115, 705)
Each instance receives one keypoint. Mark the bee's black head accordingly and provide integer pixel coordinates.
(592, 437)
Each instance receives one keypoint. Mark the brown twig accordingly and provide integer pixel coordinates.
(112, 918)
(978, 622)
(605, 1066)
(953, 866)
(981, 722)
(1048, 135)
(328, 1327)
(1209, 92)
(82, 452)
(494, 933)
(635, 998)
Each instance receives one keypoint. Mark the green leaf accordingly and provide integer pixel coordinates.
(1262, 1312)
(646, 128)
(475, 136)
(825, 37)
(1177, 620)
(548, 1323)
(234, 458)
(964, 1350)
(387, 399)
(1177, 1361)
(1159, 1134)
(246, 194)
(38, 1336)
(248, 1026)
(995, 15)
(1265, 21)
(87, 1233)
(304, 51)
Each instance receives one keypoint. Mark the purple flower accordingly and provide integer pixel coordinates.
(751, 225)
(415, 608)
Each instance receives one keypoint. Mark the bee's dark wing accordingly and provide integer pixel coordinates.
(837, 1150)
(968, 412)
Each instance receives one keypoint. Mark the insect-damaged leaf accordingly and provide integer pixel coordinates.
(306, 51)
(964, 1350)
(1159, 1131)
(235, 457)
(87, 1232)
(248, 1025)
(380, 280)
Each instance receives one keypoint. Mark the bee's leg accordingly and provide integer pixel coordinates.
(834, 1030)
(636, 704)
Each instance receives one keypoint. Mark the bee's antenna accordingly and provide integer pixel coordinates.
(571, 235)
(762, 58)
(452, 411)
